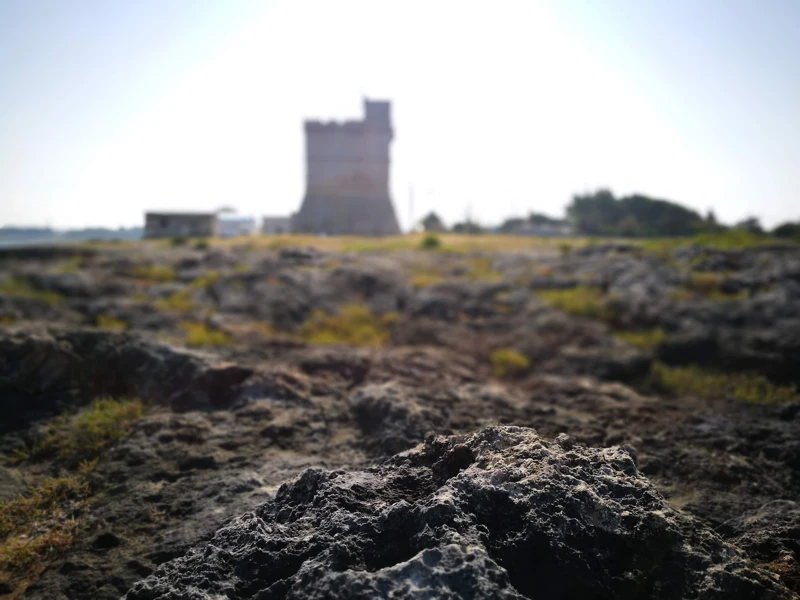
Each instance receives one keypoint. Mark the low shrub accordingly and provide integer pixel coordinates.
(206, 280)
(354, 325)
(202, 244)
(421, 280)
(508, 363)
(430, 242)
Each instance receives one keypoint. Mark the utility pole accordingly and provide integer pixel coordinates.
(411, 207)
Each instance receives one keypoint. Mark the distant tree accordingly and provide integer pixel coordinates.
(541, 219)
(511, 225)
(711, 218)
(601, 213)
(787, 230)
(751, 225)
(469, 227)
(432, 223)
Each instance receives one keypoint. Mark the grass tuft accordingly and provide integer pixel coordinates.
(110, 323)
(200, 335)
(583, 301)
(695, 381)
(155, 273)
(646, 340)
(176, 302)
(508, 363)
(354, 325)
(85, 435)
(21, 288)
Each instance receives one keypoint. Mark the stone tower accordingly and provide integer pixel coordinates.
(347, 176)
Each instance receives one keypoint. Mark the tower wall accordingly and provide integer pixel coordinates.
(347, 176)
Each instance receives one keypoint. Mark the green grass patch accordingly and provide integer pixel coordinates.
(206, 280)
(21, 288)
(109, 323)
(508, 363)
(647, 340)
(177, 302)
(583, 301)
(702, 383)
(154, 273)
(354, 325)
(40, 525)
(85, 434)
(200, 335)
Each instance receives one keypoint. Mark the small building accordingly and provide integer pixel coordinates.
(276, 225)
(231, 225)
(180, 224)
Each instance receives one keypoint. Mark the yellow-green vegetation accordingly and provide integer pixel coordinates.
(421, 280)
(696, 381)
(705, 283)
(508, 363)
(200, 335)
(647, 339)
(206, 280)
(40, 525)
(177, 301)
(84, 435)
(155, 273)
(110, 323)
(73, 265)
(6, 319)
(21, 288)
(480, 269)
(451, 242)
(240, 268)
(584, 301)
(354, 325)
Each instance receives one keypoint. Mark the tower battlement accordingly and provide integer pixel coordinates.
(347, 175)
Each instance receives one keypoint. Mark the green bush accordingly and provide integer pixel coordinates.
(200, 335)
(430, 242)
(202, 244)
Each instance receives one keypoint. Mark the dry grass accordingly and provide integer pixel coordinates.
(39, 526)
(354, 325)
(450, 242)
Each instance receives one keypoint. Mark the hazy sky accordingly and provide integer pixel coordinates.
(112, 107)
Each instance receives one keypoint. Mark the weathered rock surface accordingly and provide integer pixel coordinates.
(496, 514)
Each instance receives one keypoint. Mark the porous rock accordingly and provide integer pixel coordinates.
(496, 514)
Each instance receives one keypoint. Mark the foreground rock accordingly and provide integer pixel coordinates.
(496, 514)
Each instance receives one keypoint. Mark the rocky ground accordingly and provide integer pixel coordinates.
(603, 421)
